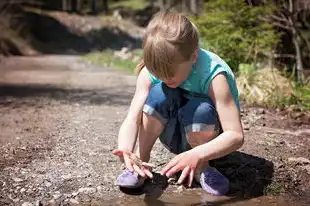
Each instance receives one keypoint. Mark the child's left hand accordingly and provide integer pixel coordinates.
(187, 161)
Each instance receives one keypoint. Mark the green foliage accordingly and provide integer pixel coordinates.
(133, 4)
(107, 59)
(232, 29)
(301, 96)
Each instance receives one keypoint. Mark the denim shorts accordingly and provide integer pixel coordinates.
(180, 112)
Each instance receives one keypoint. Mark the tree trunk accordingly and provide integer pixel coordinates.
(74, 5)
(169, 4)
(105, 6)
(161, 4)
(193, 6)
(94, 6)
(183, 6)
(65, 5)
(292, 24)
(299, 64)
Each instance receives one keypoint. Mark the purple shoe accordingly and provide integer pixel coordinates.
(130, 179)
(213, 182)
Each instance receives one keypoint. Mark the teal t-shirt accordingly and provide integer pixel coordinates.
(204, 70)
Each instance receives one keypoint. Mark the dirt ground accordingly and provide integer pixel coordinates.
(59, 123)
(60, 118)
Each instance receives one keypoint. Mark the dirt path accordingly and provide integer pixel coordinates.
(59, 123)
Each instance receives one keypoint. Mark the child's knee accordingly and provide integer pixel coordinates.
(200, 121)
(162, 102)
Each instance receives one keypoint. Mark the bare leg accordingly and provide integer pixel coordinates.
(199, 138)
(149, 131)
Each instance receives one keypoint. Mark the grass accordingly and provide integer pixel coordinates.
(268, 87)
(273, 189)
(132, 4)
(108, 59)
(301, 95)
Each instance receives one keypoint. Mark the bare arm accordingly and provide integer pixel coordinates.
(129, 129)
(232, 137)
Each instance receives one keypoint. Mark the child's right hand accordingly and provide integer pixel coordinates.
(133, 163)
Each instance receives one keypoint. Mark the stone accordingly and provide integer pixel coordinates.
(261, 111)
(296, 115)
(52, 202)
(66, 163)
(74, 194)
(38, 203)
(22, 190)
(246, 127)
(74, 201)
(27, 204)
(16, 200)
(171, 180)
(180, 189)
(16, 179)
(47, 184)
(67, 195)
(299, 160)
(57, 196)
(66, 177)
(87, 190)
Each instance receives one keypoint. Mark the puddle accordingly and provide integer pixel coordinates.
(199, 199)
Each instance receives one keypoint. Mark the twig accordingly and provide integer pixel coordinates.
(283, 131)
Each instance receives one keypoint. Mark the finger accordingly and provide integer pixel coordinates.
(117, 152)
(148, 173)
(191, 177)
(171, 164)
(146, 164)
(173, 170)
(184, 174)
(138, 170)
(128, 163)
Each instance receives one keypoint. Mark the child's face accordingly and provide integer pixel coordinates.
(182, 72)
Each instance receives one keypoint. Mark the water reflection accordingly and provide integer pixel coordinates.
(199, 198)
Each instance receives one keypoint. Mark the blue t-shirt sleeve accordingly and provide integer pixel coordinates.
(153, 79)
(218, 69)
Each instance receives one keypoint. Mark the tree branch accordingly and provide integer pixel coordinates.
(281, 19)
(278, 24)
(291, 6)
(250, 2)
(291, 56)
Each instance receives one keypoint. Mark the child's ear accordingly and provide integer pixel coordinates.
(195, 56)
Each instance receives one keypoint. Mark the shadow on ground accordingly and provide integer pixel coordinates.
(82, 96)
(50, 36)
(249, 177)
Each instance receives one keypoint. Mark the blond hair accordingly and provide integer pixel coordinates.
(169, 39)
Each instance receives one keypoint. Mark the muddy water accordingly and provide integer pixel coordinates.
(199, 199)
